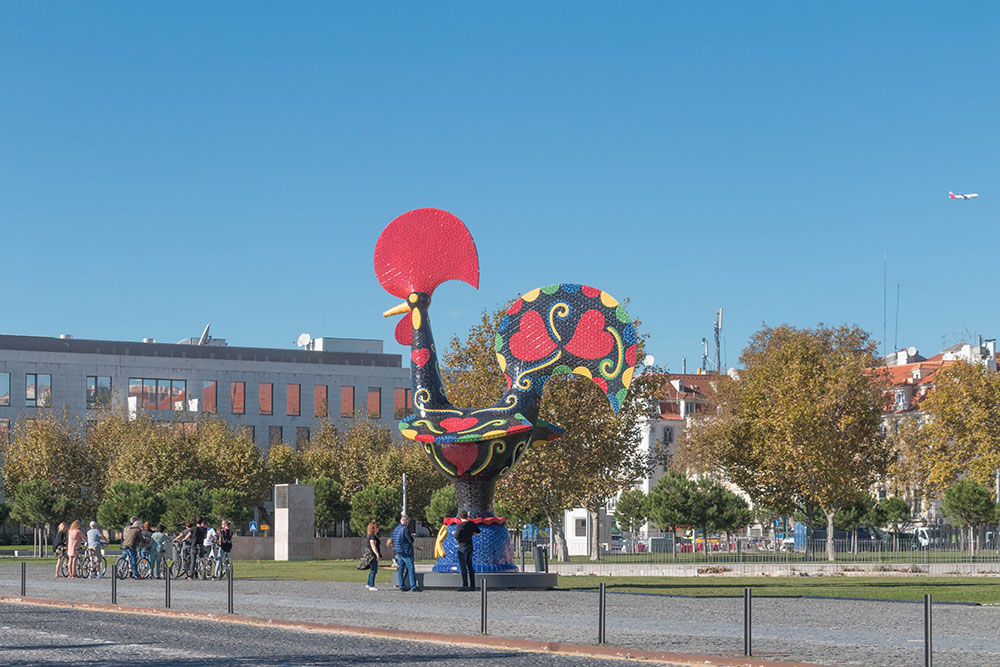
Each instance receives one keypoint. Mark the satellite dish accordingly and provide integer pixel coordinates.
(304, 340)
(649, 360)
(912, 351)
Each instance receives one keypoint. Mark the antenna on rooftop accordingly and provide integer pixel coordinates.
(203, 340)
(304, 340)
(718, 329)
(704, 356)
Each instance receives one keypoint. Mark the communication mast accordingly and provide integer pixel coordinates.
(718, 330)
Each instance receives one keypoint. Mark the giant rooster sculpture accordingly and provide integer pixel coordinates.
(551, 330)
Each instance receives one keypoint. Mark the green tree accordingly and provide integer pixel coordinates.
(230, 504)
(374, 502)
(156, 454)
(185, 501)
(732, 511)
(597, 457)
(387, 468)
(895, 512)
(127, 499)
(801, 424)
(864, 511)
(321, 455)
(37, 503)
(631, 510)
(967, 504)
(4, 512)
(330, 505)
(670, 503)
(443, 504)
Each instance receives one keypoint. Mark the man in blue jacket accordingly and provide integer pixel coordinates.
(402, 546)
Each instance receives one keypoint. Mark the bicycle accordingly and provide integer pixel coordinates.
(179, 566)
(89, 565)
(123, 567)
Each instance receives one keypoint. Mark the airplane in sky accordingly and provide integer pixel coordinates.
(971, 195)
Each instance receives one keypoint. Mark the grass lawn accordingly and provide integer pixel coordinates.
(893, 587)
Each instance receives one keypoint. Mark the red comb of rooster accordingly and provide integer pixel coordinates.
(421, 249)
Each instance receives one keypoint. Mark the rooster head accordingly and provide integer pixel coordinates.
(415, 253)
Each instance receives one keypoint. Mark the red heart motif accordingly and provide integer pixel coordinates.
(463, 455)
(452, 424)
(590, 340)
(532, 342)
(420, 357)
(515, 307)
(590, 291)
(630, 355)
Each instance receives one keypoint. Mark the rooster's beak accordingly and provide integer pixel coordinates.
(398, 310)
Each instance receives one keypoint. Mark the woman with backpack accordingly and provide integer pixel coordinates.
(224, 539)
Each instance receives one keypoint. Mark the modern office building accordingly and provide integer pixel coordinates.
(280, 394)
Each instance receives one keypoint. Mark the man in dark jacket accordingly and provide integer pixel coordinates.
(131, 539)
(463, 536)
(402, 546)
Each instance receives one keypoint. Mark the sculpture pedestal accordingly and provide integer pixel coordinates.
(491, 548)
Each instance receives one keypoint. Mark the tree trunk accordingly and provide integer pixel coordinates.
(556, 528)
(831, 551)
(673, 542)
(595, 535)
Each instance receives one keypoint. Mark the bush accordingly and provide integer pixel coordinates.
(444, 503)
(127, 499)
(185, 501)
(374, 502)
(330, 505)
(229, 504)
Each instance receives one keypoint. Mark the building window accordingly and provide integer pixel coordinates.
(266, 390)
(375, 402)
(347, 401)
(4, 388)
(237, 393)
(98, 391)
(209, 396)
(399, 405)
(4, 430)
(273, 436)
(580, 528)
(292, 406)
(37, 390)
(301, 436)
(319, 401)
(153, 394)
(668, 435)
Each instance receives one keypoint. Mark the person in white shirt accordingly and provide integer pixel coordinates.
(211, 537)
(95, 539)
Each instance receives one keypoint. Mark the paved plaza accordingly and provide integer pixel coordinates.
(823, 631)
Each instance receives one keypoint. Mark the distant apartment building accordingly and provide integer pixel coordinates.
(279, 395)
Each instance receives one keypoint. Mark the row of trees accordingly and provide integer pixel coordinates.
(117, 467)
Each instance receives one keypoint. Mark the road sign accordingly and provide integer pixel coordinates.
(253, 526)
(265, 527)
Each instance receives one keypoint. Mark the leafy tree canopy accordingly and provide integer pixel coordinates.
(186, 501)
(127, 499)
(967, 503)
(330, 505)
(37, 503)
(230, 504)
(383, 504)
(443, 504)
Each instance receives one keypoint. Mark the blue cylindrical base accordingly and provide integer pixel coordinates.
(491, 550)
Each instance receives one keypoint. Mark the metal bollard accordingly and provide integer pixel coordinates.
(229, 577)
(602, 606)
(747, 627)
(482, 613)
(24, 579)
(114, 586)
(166, 586)
(522, 558)
(928, 647)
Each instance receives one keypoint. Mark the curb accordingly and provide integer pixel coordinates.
(585, 650)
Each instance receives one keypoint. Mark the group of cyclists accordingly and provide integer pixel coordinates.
(200, 551)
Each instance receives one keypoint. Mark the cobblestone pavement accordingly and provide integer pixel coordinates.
(823, 631)
(31, 635)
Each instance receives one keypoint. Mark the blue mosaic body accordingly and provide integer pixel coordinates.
(491, 551)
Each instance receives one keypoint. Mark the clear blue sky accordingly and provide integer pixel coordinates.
(167, 165)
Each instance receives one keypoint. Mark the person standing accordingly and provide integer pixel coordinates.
(95, 541)
(59, 546)
(225, 543)
(402, 546)
(73, 541)
(374, 545)
(131, 541)
(157, 550)
(198, 534)
(463, 536)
